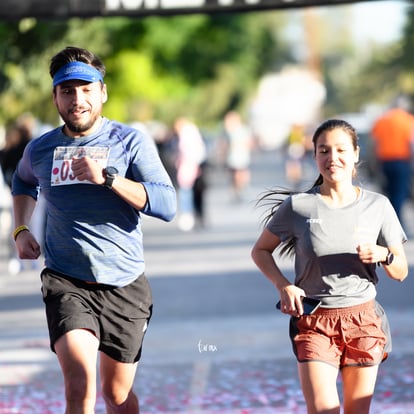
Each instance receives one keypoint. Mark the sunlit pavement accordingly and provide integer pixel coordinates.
(215, 344)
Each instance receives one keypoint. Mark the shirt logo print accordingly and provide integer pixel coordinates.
(314, 221)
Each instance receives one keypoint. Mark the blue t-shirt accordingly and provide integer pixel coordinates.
(91, 233)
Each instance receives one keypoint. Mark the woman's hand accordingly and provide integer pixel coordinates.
(371, 253)
(291, 300)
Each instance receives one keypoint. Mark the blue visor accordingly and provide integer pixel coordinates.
(78, 71)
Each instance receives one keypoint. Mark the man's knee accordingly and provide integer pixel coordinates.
(77, 390)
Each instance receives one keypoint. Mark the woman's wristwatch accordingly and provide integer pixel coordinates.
(389, 259)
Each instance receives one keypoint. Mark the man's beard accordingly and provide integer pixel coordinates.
(80, 127)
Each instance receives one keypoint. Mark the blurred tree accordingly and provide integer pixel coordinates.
(403, 55)
(357, 75)
(25, 51)
(379, 73)
(200, 65)
(157, 67)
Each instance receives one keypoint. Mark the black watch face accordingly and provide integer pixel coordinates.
(111, 171)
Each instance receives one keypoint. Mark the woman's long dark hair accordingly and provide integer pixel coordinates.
(274, 197)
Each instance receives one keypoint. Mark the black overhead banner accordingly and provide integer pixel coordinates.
(62, 9)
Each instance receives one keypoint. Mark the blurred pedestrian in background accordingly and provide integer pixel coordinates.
(5, 218)
(295, 153)
(18, 135)
(393, 135)
(338, 233)
(191, 155)
(16, 139)
(239, 144)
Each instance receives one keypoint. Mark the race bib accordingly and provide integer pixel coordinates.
(62, 163)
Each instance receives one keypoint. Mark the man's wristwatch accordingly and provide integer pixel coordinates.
(109, 174)
(389, 259)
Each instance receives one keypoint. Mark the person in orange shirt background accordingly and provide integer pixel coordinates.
(393, 135)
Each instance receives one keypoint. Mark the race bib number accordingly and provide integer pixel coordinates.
(62, 163)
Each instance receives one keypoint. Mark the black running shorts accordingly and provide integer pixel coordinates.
(117, 316)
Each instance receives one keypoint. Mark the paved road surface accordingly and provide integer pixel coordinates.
(215, 343)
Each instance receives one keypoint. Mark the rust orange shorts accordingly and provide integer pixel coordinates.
(353, 336)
